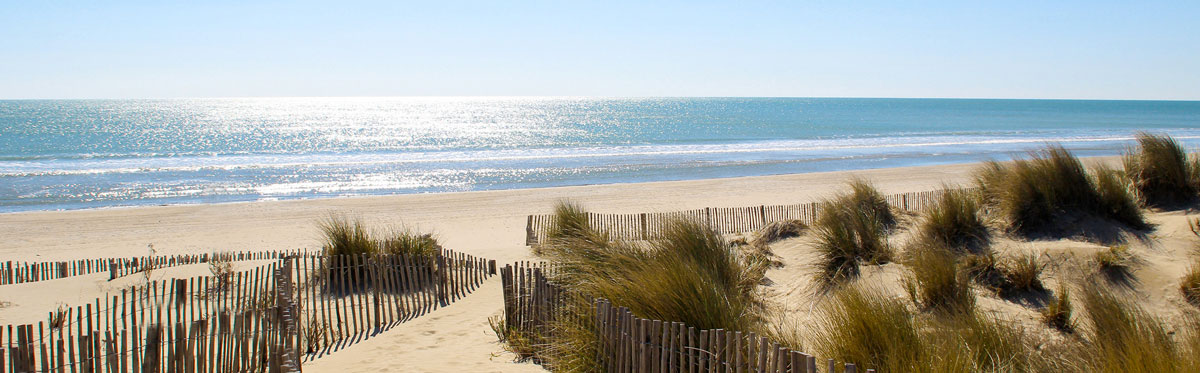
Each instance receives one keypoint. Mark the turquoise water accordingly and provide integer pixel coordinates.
(71, 154)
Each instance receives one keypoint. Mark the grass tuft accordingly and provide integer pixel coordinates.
(1160, 170)
(862, 325)
(1124, 337)
(691, 274)
(935, 282)
(1023, 273)
(778, 230)
(1034, 194)
(346, 236)
(1057, 314)
(410, 244)
(954, 222)
(850, 229)
(1114, 260)
(1189, 286)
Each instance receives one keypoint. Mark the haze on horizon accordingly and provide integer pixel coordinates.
(1016, 49)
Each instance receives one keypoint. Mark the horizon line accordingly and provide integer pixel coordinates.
(589, 97)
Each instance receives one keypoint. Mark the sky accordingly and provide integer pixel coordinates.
(968, 49)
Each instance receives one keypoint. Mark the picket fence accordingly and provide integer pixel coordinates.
(270, 318)
(632, 344)
(17, 272)
(725, 220)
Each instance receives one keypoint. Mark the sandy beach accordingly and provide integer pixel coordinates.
(488, 224)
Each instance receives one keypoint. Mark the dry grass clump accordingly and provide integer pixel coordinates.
(346, 236)
(852, 228)
(1024, 273)
(935, 282)
(1118, 197)
(1115, 260)
(691, 275)
(1006, 276)
(1033, 195)
(1160, 170)
(1125, 338)
(954, 222)
(864, 326)
(1189, 286)
(778, 230)
(410, 244)
(1057, 314)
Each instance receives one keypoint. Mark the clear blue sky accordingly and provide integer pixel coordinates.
(1008, 49)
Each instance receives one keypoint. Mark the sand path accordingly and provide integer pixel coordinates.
(456, 338)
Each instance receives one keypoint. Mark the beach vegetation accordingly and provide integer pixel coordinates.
(1034, 195)
(1189, 286)
(347, 236)
(1160, 170)
(935, 281)
(954, 222)
(861, 324)
(689, 274)
(851, 229)
(1114, 260)
(1123, 337)
(1058, 312)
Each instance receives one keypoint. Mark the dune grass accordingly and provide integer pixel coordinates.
(1160, 170)
(935, 281)
(347, 236)
(410, 244)
(1023, 272)
(1034, 194)
(954, 222)
(1057, 314)
(777, 230)
(691, 274)
(851, 229)
(1118, 197)
(1125, 338)
(861, 324)
(1189, 286)
(1114, 259)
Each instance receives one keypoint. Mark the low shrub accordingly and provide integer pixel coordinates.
(1160, 170)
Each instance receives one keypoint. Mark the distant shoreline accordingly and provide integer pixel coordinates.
(485, 223)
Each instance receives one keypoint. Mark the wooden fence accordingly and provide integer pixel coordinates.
(16, 272)
(632, 344)
(726, 220)
(269, 318)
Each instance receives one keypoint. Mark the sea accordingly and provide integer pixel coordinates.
(82, 154)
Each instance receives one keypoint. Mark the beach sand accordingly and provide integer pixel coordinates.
(490, 224)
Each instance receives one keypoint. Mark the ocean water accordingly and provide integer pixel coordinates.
(73, 154)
